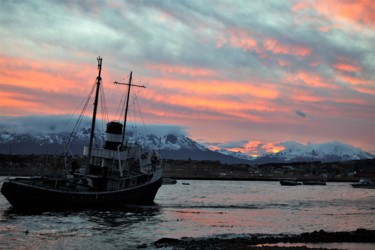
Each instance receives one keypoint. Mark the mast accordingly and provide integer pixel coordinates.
(127, 102)
(127, 107)
(98, 81)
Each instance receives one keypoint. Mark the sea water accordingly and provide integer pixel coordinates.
(193, 208)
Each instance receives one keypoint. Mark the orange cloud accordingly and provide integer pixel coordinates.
(49, 76)
(309, 79)
(356, 81)
(224, 109)
(357, 12)
(359, 85)
(212, 88)
(237, 39)
(365, 90)
(28, 84)
(306, 98)
(346, 67)
(217, 100)
(256, 148)
(278, 48)
(251, 145)
(272, 147)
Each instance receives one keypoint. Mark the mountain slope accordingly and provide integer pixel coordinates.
(170, 146)
(178, 147)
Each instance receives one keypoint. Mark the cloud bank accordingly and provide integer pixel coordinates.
(66, 123)
(225, 71)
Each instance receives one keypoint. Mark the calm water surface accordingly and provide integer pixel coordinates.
(203, 208)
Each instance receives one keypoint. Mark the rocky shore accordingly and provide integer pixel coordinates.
(268, 241)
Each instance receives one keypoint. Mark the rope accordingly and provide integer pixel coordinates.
(103, 106)
(140, 114)
(78, 122)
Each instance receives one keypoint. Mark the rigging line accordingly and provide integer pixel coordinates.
(121, 107)
(82, 112)
(125, 97)
(134, 125)
(76, 110)
(140, 114)
(103, 105)
(79, 120)
(71, 115)
(118, 108)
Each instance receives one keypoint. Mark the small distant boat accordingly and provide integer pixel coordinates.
(364, 183)
(290, 183)
(169, 181)
(186, 183)
(314, 182)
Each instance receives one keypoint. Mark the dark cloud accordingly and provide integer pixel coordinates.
(300, 113)
(212, 35)
(66, 124)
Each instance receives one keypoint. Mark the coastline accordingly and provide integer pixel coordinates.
(270, 241)
(52, 165)
(54, 172)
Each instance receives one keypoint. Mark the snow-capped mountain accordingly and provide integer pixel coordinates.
(170, 146)
(328, 151)
(177, 147)
(296, 152)
(236, 154)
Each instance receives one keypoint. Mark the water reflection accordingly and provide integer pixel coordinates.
(122, 217)
(203, 208)
(86, 229)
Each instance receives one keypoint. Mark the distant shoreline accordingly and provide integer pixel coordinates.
(37, 165)
(30, 173)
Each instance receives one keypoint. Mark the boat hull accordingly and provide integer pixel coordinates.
(314, 183)
(356, 185)
(24, 196)
(290, 183)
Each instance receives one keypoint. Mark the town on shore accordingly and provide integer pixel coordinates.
(31, 165)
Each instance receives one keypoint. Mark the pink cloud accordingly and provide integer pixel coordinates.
(277, 48)
(237, 39)
(346, 67)
(356, 12)
(310, 79)
(256, 148)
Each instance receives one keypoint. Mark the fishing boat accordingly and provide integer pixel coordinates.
(364, 183)
(314, 182)
(290, 182)
(169, 181)
(114, 175)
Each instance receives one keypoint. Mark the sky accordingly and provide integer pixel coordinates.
(241, 75)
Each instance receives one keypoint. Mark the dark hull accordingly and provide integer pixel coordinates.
(314, 183)
(356, 185)
(28, 197)
(290, 183)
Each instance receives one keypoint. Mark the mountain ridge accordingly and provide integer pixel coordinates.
(178, 147)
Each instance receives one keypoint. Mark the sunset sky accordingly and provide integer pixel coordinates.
(242, 75)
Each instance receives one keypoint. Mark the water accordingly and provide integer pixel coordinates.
(203, 208)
